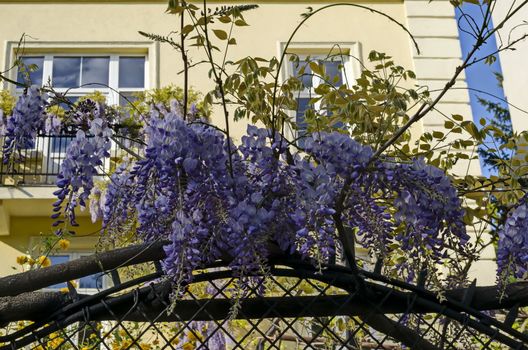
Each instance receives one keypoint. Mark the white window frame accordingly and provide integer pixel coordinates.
(351, 61)
(111, 92)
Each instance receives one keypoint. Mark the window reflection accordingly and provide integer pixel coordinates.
(124, 96)
(66, 72)
(334, 71)
(36, 76)
(92, 281)
(58, 259)
(95, 70)
(131, 72)
(303, 104)
(307, 76)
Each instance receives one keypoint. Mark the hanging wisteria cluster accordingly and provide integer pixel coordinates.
(213, 200)
(84, 155)
(23, 124)
(512, 253)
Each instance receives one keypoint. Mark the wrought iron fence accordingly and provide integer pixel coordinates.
(293, 307)
(40, 165)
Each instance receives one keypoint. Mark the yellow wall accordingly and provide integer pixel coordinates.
(271, 24)
(26, 233)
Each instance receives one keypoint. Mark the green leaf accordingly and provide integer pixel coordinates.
(458, 117)
(448, 124)
(225, 19)
(472, 129)
(490, 60)
(317, 68)
(438, 134)
(187, 29)
(241, 23)
(232, 41)
(174, 8)
(220, 34)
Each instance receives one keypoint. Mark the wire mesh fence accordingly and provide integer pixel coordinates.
(291, 307)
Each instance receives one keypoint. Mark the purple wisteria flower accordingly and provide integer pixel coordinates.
(52, 124)
(188, 189)
(24, 123)
(428, 206)
(84, 155)
(512, 253)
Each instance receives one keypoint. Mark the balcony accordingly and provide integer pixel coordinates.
(39, 166)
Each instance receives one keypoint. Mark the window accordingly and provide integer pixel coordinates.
(78, 75)
(335, 75)
(341, 65)
(85, 285)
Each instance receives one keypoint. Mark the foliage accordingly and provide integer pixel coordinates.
(167, 97)
(7, 102)
(358, 177)
(499, 154)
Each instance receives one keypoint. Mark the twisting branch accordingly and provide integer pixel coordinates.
(185, 63)
(486, 298)
(100, 262)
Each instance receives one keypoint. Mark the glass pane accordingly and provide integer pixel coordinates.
(334, 71)
(131, 72)
(92, 281)
(36, 76)
(131, 96)
(95, 70)
(59, 144)
(66, 72)
(58, 259)
(302, 106)
(306, 77)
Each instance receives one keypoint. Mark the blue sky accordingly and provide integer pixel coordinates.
(481, 75)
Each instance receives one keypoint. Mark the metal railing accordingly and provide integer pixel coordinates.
(40, 165)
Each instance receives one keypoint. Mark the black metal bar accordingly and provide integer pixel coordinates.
(39, 166)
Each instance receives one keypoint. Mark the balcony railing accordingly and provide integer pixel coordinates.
(39, 166)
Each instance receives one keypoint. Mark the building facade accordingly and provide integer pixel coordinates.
(512, 62)
(76, 40)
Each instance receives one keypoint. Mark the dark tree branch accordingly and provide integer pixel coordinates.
(486, 298)
(100, 262)
(151, 302)
(396, 330)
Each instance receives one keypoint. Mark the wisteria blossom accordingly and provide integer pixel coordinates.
(24, 123)
(512, 253)
(84, 155)
(183, 191)
(211, 199)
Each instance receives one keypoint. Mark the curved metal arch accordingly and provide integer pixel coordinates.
(358, 293)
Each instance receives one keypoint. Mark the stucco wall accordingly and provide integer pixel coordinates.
(513, 63)
(26, 233)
